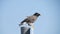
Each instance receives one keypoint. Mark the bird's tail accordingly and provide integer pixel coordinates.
(21, 23)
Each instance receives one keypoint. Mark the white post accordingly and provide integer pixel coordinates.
(25, 29)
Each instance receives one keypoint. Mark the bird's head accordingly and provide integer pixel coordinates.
(36, 14)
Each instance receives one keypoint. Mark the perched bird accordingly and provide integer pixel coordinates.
(31, 19)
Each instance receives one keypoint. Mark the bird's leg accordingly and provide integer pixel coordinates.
(31, 24)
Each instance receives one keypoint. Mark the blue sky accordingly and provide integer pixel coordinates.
(14, 11)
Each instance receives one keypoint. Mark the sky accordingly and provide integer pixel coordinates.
(12, 12)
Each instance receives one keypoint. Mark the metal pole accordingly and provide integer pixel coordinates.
(25, 30)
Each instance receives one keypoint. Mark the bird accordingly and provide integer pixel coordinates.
(30, 19)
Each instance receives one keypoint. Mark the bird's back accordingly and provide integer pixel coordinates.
(31, 19)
